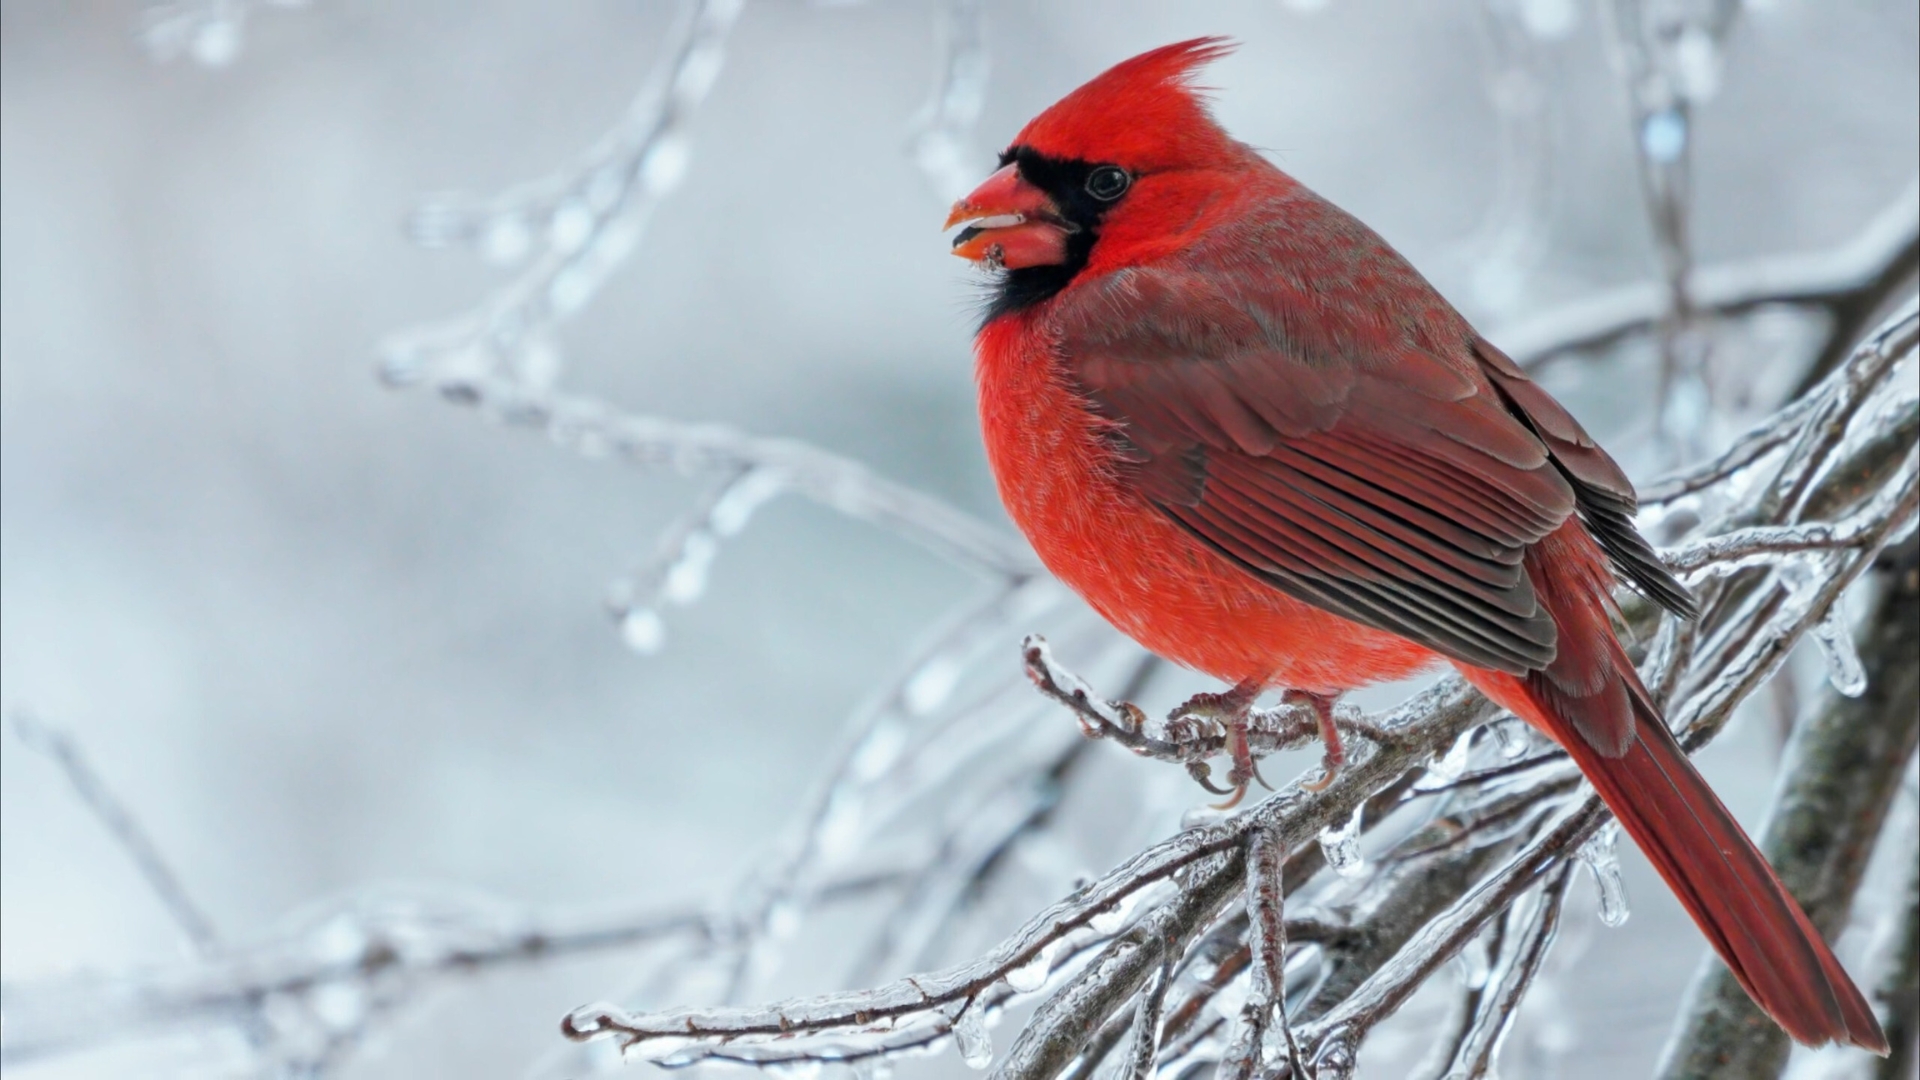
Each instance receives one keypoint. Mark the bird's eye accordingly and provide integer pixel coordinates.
(1108, 182)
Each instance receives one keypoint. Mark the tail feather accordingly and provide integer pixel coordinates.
(1664, 803)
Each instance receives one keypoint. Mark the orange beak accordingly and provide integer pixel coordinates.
(1010, 224)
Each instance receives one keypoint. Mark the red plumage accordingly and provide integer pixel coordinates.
(1255, 439)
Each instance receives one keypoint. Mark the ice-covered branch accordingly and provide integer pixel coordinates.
(324, 979)
(121, 826)
(1860, 275)
(1844, 767)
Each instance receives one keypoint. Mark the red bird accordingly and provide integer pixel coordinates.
(1258, 442)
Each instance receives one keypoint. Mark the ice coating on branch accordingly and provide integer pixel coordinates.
(1835, 638)
(1032, 975)
(1341, 845)
(970, 1036)
(1599, 855)
(873, 1067)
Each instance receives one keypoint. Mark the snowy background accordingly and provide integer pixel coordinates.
(320, 635)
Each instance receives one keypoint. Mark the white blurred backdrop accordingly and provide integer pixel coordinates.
(320, 635)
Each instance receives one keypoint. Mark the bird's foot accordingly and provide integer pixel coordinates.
(1229, 710)
(1336, 752)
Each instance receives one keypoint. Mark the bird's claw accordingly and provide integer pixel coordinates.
(1336, 754)
(1230, 710)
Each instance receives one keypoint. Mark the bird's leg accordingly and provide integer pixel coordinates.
(1336, 755)
(1230, 710)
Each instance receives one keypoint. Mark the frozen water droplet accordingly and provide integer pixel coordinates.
(880, 749)
(930, 686)
(1514, 739)
(1450, 766)
(1109, 920)
(1663, 136)
(604, 188)
(1599, 856)
(1335, 1059)
(970, 1035)
(1341, 846)
(400, 365)
(340, 1006)
(1835, 638)
(783, 918)
(686, 579)
(876, 1067)
(216, 42)
(797, 1069)
(697, 73)
(1476, 963)
(538, 364)
(571, 288)
(505, 239)
(570, 225)
(655, 1049)
(1696, 63)
(1032, 975)
(1549, 20)
(744, 496)
(665, 164)
(643, 630)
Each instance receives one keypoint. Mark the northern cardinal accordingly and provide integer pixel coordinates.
(1257, 441)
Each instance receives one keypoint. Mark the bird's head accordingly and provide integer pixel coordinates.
(1088, 161)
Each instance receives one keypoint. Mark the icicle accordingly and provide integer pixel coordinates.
(970, 1035)
(1476, 962)
(1835, 639)
(1341, 845)
(930, 686)
(1599, 856)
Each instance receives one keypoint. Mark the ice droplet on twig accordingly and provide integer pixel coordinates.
(643, 630)
(1600, 857)
(1341, 845)
(1032, 975)
(970, 1035)
(1663, 136)
(1334, 1060)
(1108, 920)
(1476, 962)
(1835, 639)
(1448, 767)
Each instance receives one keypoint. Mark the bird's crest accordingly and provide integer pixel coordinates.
(1143, 113)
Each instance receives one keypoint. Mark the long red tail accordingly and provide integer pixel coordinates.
(1590, 700)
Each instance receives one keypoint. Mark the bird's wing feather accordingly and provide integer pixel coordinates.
(1340, 458)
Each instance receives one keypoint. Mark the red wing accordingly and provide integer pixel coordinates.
(1351, 470)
